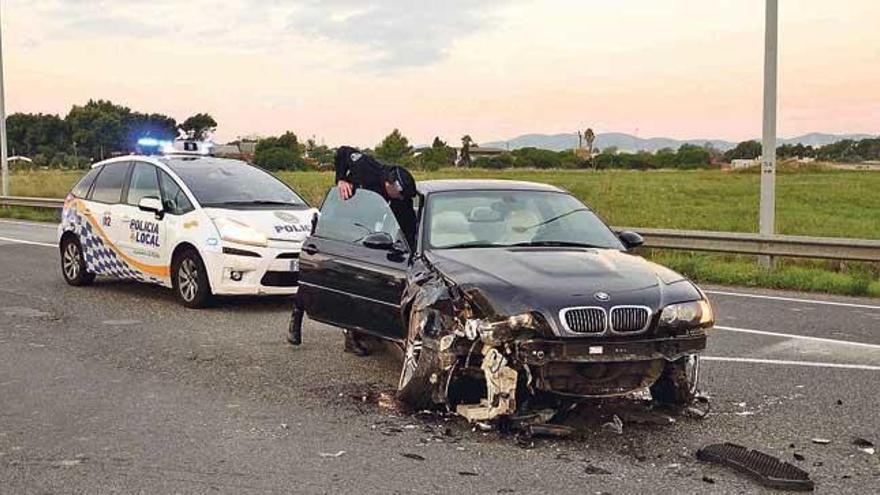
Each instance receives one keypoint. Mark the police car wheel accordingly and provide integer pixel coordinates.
(73, 264)
(190, 280)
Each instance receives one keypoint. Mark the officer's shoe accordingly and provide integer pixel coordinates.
(354, 346)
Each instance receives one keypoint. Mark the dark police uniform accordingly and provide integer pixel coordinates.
(366, 172)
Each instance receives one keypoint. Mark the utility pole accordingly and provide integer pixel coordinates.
(767, 217)
(4, 164)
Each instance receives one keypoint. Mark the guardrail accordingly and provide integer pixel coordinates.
(832, 248)
(53, 203)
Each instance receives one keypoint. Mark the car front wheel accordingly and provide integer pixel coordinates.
(677, 385)
(419, 365)
(190, 280)
(73, 264)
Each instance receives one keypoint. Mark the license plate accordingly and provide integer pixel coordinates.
(596, 349)
(294, 265)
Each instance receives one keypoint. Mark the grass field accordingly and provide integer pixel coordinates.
(834, 203)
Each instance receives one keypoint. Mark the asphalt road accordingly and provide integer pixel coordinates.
(115, 388)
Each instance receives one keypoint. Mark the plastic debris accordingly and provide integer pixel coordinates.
(337, 454)
(549, 430)
(615, 425)
(766, 469)
(821, 441)
(864, 445)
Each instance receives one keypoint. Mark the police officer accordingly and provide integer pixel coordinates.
(394, 183)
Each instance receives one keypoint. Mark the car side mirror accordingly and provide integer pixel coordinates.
(152, 204)
(630, 239)
(378, 240)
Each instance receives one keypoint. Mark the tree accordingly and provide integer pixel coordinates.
(437, 156)
(394, 147)
(99, 129)
(290, 156)
(26, 133)
(746, 150)
(199, 126)
(466, 142)
(692, 156)
(590, 138)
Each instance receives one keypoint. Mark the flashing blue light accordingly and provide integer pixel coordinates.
(148, 142)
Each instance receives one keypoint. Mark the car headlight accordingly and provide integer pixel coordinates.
(688, 315)
(235, 231)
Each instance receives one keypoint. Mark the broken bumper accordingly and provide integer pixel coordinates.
(539, 352)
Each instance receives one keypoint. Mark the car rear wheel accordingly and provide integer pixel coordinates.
(190, 280)
(73, 264)
(419, 366)
(677, 385)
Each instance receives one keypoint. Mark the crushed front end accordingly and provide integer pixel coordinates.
(488, 365)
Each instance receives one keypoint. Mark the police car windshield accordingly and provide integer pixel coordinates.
(217, 182)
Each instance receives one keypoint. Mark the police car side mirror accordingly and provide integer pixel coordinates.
(151, 203)
(378, 240)
(630, 239)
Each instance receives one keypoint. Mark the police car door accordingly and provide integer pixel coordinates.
(144, 240)
(103, 212)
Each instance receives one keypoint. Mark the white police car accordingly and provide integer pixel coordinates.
(201, 225)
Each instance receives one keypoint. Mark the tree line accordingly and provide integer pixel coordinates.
(101, 129)
(94, 131)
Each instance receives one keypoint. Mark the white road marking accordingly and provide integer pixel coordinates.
(792, 299)
(801, 337)
(811, 364)
(32, 243)
(30, 224)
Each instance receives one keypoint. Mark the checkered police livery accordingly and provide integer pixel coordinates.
(99, 257)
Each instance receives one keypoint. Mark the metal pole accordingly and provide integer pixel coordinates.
(768, 161)
(4, 164)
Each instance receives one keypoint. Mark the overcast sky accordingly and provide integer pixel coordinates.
(350, 71)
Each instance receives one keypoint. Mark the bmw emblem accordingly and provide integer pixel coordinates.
(602, 296)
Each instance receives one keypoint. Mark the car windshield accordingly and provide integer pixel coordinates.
(217, 182)
(475, 219)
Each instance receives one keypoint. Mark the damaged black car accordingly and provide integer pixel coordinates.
(515, 293)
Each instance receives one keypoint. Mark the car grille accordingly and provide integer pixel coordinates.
(586, 320)
(629, 319)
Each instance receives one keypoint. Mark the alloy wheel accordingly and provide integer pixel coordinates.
(71, 261)
(188, 279)
(410, 362)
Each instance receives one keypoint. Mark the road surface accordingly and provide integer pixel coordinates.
(116, 388)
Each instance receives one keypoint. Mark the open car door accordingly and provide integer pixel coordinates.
(353, 267)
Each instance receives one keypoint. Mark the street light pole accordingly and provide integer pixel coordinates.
(767, 217)
(4, 164)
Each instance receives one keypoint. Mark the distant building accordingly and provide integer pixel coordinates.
(480, 152)
(744, 163)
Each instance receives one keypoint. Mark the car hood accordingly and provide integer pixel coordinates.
(279, 225)
(509, 281)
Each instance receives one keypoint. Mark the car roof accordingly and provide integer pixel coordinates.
(446, 185)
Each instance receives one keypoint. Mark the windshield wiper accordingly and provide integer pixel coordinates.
(475, 244)
(257, 202)
(549, 220)
(558, 244)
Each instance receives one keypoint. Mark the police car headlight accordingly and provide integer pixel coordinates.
(234, 231)
(688, 315)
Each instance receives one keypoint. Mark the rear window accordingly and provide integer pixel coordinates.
(81, 189)
(108, 185)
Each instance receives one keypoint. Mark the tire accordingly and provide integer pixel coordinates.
(73, 264)
(677, 385)
(419, 365)
(190, 280)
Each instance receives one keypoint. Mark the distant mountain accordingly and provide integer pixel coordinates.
(628, 142)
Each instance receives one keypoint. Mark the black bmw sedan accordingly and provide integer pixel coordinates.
(514, 291)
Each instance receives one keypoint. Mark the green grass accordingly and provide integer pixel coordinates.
(818, 202)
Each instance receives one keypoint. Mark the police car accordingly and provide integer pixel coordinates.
(200, 225)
